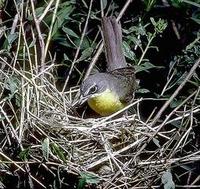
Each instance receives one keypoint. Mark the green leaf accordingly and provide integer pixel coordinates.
(191, 3)
(104, 3)
(24, 154)
(128, 52)
(38, 11)
(88, 178)
(167, 180)
(9, 41)
(45, 149)
(81, 183)
(181, 78)
(86, 53)
(149, 4)
(142, 91)
(11, 38)
(145, 67)
(175, 103)
(62, 15)
(70, 32)
(66, 57)
(197, 20)
(156, 142)
(2, 4)
(2, 118)
(85, 43)
(176, 3)
(12, 84)
(58, 151)
(135, 40)
(159, 26)
(32, 44)
(64, 42)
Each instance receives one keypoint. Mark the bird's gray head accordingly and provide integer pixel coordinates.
(94, 85)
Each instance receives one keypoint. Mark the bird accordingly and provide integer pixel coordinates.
(110, 91)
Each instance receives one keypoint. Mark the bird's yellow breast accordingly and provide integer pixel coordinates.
(105, 103)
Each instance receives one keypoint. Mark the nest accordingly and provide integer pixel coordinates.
(43, 137)
(46, 143)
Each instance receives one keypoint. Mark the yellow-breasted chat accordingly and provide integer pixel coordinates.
(111, 91)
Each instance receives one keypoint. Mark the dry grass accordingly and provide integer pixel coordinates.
(116, 151)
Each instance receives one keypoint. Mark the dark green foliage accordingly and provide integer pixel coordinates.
(46, 140)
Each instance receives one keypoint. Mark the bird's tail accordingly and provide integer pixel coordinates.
(112, 35)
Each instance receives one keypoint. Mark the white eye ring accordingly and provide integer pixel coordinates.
(93, 89)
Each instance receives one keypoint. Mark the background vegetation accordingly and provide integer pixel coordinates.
(46, 141)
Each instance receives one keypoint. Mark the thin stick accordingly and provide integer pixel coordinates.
(51, 29)
(176, 92)
(167, 103)
(19, 167)
(106, 158)
(41, 40)
(78, 50)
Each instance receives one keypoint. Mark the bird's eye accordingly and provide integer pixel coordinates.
(93, 89)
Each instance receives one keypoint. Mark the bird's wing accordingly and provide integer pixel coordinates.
(126, 85)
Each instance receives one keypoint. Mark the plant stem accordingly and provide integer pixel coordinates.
(147, 47)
